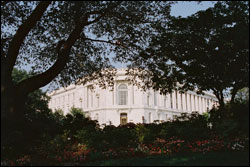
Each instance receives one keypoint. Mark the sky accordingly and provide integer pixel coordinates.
(183, 9)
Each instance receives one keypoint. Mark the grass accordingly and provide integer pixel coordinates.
(189, 159)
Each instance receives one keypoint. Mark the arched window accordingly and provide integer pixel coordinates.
(122, 95)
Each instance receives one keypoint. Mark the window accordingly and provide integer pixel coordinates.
(96, 116)
(181, 102)
(190, 102)
(159, 116)
(148, 99)
(91, 94)
(113, 99)
(171, 101)
(98, 101)
(194, 102)
(149, 117)
(165, 99)
(123, 118)
(176, 99)
(186, 101)
(122, 94)
(198, 98)
(155, 98)
(166, 117)
(87, 97)
(133, 102)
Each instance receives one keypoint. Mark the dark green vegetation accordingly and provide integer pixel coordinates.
(46, 138)
(208, 50)
(65, 41)
(188, 159)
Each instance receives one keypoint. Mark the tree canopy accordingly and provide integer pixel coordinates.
(66, 41)
(208, 50)
(88, 28)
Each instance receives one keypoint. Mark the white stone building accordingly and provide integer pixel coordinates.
(127, 103)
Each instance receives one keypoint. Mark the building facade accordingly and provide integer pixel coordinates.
(126, 103)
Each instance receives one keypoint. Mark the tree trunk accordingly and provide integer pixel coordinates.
(12, 101)
(220, 97)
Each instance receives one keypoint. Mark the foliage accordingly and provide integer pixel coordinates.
(81, 139)
(194, 122)
(242, 96)
(232, 120)
(23, 133)
(125, 136)
(75, 121)
(208, 50)
(76, 138)
(87, 31)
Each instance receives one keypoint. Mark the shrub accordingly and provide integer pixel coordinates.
(231, 120)
(187, 126)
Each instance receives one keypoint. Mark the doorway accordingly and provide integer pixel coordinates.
(123, 118)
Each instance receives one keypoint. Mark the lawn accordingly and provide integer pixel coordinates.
(191, 159)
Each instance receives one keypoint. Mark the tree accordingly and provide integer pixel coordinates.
(208, 50)
(242, 95)
(21, 133)
(55, 38)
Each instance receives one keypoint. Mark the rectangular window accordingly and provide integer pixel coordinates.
(87, 97)
(181, 101)
(194, 103)
(176, 99)
(171, 101)
(149, 118)
(186, 101)
(113, 99)
(98, 102)
(91, 93)
(133, 101)
(201, 104)
(155, 98)
(198, 98)
(123, 97)
(190, 102)
(148, 99)
(165, 101)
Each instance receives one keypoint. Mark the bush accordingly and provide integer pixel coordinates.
(232, 120)
(125, 136)
(188, 127)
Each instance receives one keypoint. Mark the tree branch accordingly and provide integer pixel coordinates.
(44, 78)
(20, 35)
(40, 80)
(28, 85)
(102, 12)
(109, 42)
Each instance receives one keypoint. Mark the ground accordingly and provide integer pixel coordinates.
(190, 159)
